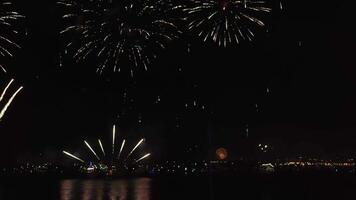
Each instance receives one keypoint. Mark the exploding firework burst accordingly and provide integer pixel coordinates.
(110, 161)
(117, 33)
(225, 21)
(8, 31)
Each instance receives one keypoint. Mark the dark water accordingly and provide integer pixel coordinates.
(210, 188)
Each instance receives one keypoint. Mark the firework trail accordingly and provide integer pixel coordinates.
(143, 157)
(113, 140)
(121, 148)
(6, 88)
(225, 21)
(73, 156)
(137, 145)
(101, 147)
(3, 69)
(87, 144)
(8, 20)
(121, 33)
(4, 109)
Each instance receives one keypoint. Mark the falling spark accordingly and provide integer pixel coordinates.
(113, 139)
(91, 150)
(6, 88)
(247, 130)
(143, 157)
(158, 99)
(9, 102)
(3, 69)
(121, 148)
(73, 156)
(101, 146)
(137, 145)
(60, 61)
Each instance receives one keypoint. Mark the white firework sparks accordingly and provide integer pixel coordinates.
(121, 33)
(11, 99)
(225, 21)
(8, 31)
(6, 88)
(111, 159)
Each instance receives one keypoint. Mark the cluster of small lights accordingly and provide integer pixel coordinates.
(318, 164)
(30, 168)
(257, 108)
(176, 167)
(194, 167)
(158, 100)
(194, 105)
(263, 147)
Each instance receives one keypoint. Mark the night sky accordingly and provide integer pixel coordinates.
(293, 87)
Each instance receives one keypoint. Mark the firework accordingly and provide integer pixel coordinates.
(4, 109)
(91, 149)
(6, 88)
(2, 68)
(110, 160)
(113, 139)
(137, 145)
(8, 32)
(72, 156)
(101, 147)
(121, 148)
(143, 157)
(225, 21)
(121, 33)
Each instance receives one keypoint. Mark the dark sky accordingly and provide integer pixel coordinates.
(306, 61)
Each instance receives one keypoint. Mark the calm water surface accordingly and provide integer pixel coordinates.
(249, 188)
(105, 189)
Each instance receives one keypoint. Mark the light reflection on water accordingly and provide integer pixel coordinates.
(135, 189)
